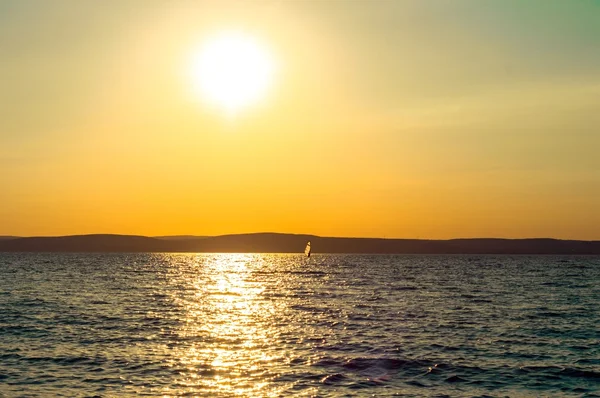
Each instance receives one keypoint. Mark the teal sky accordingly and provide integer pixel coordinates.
(437, 118)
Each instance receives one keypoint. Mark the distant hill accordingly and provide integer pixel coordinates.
(290, 243)
(180, 237)
(3, 237)
(85, 243)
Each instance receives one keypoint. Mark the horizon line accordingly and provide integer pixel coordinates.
(183, 236)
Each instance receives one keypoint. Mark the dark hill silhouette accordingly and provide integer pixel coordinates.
(290, 243)
(85, 243)
(180, 237)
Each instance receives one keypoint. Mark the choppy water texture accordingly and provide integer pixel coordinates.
(281, 325)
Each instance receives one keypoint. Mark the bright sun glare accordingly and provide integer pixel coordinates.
(232, 71)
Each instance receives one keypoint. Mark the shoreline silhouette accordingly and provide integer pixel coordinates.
(294, 243)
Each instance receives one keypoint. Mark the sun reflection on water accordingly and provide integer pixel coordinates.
(223, 345)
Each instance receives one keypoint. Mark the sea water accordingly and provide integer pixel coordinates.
(252, 325)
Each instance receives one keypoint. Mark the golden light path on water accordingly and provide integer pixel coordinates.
(227, 330)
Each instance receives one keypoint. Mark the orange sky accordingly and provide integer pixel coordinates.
(409, 119)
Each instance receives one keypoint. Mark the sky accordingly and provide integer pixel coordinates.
(401, 119)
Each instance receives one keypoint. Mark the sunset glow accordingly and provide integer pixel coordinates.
(406, 119)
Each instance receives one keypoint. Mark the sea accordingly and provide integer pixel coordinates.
(284, 325)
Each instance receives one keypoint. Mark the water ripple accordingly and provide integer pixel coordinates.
(280, 325)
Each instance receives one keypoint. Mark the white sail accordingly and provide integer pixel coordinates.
(307, 250)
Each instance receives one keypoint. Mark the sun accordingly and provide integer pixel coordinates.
(232, 71)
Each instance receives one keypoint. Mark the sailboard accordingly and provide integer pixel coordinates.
(307, 250)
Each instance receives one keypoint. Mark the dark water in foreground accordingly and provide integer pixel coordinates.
(279, 325)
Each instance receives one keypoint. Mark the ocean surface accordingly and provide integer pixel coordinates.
(227, 325)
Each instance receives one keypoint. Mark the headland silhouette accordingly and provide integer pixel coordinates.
(293, 243)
